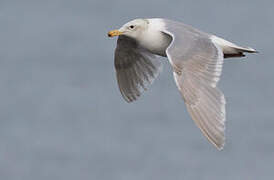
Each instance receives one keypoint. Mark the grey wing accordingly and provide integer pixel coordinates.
(197, 64)
(135, 67)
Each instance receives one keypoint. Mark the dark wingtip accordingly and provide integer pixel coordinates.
(234, 55)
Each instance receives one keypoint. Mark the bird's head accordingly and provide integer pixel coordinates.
(131, 29)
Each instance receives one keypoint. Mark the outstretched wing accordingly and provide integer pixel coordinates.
(197, 64)
(135, 67)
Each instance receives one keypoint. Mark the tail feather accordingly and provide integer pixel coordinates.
(230, 49)
(248, 49)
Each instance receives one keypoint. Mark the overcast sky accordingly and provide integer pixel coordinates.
(62, 115)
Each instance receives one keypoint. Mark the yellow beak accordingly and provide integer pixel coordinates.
(114, 33)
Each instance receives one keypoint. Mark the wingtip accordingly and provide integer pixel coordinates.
(221, 147)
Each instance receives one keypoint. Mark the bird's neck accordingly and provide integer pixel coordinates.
(155, 41)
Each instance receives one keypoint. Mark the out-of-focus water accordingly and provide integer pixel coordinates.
(62, 115)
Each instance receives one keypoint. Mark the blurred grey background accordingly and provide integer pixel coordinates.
(62, 115)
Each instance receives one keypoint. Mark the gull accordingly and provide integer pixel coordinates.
(196, 58)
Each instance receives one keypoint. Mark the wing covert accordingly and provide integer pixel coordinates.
(197, 64)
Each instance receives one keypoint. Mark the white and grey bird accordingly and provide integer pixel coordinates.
(196, 58)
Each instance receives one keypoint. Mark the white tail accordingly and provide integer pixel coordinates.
(231, 49)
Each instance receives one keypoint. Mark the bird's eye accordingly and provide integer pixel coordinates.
(131, 27)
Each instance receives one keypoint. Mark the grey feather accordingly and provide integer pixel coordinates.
(136, 68)
(197, 64)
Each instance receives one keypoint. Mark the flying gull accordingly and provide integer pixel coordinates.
(196, 58)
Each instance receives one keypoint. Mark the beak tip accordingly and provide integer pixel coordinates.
(114, 33)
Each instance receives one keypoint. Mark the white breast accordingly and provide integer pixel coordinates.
(154, 40)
